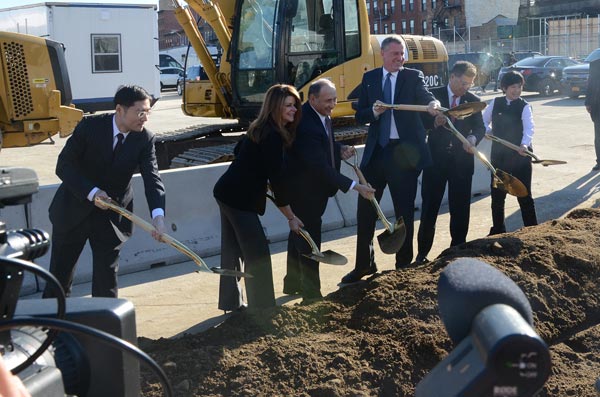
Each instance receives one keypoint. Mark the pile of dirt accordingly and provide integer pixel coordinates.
(381, 337)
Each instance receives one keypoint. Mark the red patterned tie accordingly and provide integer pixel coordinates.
(455, 101)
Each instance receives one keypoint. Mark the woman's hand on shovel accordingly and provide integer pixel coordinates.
(295, 224)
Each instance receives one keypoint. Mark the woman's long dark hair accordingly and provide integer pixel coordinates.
(272, 111)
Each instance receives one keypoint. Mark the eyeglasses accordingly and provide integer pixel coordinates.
(144, 113)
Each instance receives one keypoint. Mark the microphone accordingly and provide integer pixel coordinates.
(498, 353)
(469, 285)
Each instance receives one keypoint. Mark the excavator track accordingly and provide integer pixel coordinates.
(211, 144)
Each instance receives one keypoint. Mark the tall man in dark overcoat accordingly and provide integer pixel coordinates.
(395, 151)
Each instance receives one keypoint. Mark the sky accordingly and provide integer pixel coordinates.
(16, 3)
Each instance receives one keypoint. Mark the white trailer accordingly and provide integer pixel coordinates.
(107, 45)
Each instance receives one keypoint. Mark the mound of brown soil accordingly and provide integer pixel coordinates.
(381, 337)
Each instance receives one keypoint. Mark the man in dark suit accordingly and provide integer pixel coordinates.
(452, 161)
(98, 161)
(395, 152)
(592, 104)
(314, 176)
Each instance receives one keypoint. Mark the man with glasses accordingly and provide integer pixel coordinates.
(99, 160)
(452, 161)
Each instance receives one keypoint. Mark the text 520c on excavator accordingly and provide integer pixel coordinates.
(280, 41)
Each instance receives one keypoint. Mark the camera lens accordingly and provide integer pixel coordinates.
(26, 244)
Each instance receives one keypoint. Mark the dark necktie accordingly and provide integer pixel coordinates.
(386, 117)
(329, 129)
(118, 146)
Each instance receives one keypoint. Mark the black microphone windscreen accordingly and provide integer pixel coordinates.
(466, 286)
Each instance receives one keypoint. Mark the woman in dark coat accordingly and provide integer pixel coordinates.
(241, 195)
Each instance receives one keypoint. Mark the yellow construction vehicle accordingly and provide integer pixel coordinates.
(286, 41)
(35, 92)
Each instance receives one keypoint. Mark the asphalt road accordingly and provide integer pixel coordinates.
(174, 300)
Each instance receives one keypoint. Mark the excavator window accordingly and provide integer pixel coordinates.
(313, 48)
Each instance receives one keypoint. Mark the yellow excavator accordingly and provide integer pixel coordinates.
(281, 41)
(35, 99)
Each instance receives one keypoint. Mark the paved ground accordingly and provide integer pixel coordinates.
(173, 300)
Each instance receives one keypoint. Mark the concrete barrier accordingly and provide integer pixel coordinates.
(347, 202)
(192, 217)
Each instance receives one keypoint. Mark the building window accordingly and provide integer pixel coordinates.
(392, 5)
(424, 26)
(375, 28)
(412, 26)
(446, 23)
(393, 27)
(374, 5)
(403, 27)
(411, 5)
(106, 53)
(385, 9)
(368, 7)
(423, 5)
(433, 4)
(385, 29)
(403, 6)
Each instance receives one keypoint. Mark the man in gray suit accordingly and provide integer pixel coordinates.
(99, 160)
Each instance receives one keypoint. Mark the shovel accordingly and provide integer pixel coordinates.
(329, 257)
(503, 180)
(514, 147)
(392, 238)
(112, 205)
(459, 112)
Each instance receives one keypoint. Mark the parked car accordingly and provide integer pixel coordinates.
(542, 73)
(575, 78)
(169, 77)
(193, 73)
(519, 55)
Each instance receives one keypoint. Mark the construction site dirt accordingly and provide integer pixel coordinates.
(383, 335)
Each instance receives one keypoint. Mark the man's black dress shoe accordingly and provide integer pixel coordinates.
(421, 259)
(356, 274)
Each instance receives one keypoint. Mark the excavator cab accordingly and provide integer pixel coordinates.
(292, 41)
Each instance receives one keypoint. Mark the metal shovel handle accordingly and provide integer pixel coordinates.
(511, 145)
(363, 181)
(449, 126)
(113, 206)
(306, 236)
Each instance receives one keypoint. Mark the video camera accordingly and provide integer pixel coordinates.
(58, 347)
(488, 317)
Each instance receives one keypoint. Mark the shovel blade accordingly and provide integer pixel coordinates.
(328, 257)
(230, 273)
(546, 163)
(390, 243)
(512, 185)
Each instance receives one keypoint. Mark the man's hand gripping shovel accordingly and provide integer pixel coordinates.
(392, 238)
(113, 206)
